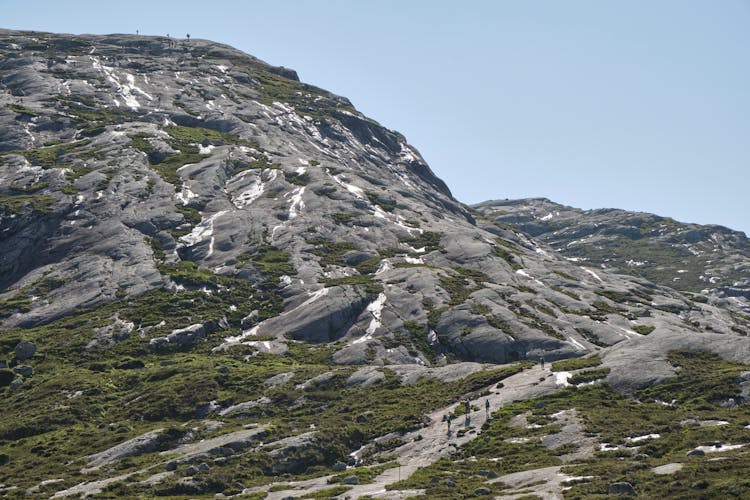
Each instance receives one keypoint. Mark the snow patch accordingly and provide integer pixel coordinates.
(638, 439)
(635, 263)
(297, 204)
(249, 195)
(561, 378)
(719, 448)
(385, 265)
(376, 309)
(523, 273)
(608, 447)
(185, 195)
(356, 191)
(202, 232)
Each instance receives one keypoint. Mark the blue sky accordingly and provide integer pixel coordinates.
(634, 104)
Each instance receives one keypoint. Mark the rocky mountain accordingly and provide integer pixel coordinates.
(217, 279)
(712, 260)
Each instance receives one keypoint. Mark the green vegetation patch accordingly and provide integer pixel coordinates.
(587, 376)
(507, 257)
(370, 287)
(644, 329)
(331, 252)
(23, 111)
(364, 474)
(571, 364)
(21, 301)
(462, 283)
(54, 156)
(186, 141)
(18, 204)
(297, 178)
(428, 240)
(387, 204)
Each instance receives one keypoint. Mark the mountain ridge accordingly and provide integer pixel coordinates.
(708, 259)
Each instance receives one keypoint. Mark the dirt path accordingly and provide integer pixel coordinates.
(424, 446)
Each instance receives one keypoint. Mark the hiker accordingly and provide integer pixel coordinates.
(487, 407)
(448, 419)
(541, 360)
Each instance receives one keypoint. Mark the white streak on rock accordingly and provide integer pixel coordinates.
(592, 273)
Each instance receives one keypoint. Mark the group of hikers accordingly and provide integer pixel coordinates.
(467, 408)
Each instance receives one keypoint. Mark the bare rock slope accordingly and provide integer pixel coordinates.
(127, 157)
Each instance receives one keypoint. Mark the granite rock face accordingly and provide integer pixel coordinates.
(708, 259)
(130, 164)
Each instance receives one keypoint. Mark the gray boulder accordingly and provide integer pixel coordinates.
(280, 379)
(325, 319)
(184, 337)
(24, 350)
(356, 257)
(106, 337)
(365, 377)
(621, 488)
(24, 370)
(245, 407)
(317, 381)
(145, 443)
(251, 319)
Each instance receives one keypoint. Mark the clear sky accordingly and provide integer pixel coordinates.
(635, 104)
